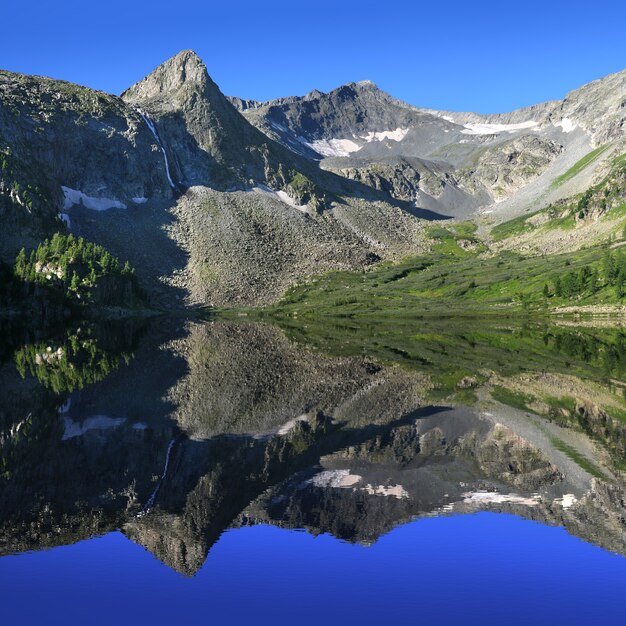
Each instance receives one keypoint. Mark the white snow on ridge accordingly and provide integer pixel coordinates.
(345, 147)
(567, 125)
(73, 196)
(334, 147)
(396, 135)
(283, 196)
(494, 129)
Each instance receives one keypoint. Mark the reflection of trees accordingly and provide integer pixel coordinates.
(468, 345)
(606, 351)
(69, 363)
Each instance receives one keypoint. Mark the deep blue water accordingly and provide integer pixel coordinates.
(474, 569)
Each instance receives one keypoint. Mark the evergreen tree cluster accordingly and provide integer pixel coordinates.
(589, 279)
(71, 262)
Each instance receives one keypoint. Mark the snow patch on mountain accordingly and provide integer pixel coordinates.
(395, 135)
(73, 196)
(567, 125)
(281, 195)
(333, 147)
(494, 129)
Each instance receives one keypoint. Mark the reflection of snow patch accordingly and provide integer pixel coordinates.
(397, 491)
(396, 135)
(278, 126)
(73, 196)
(140, 426)
(494, 129)
(65, 218)
(334, 147)
(65, 407)
(97, 422)
(335, 478)
(288, 426)
(343, 479)
(567, 125)
(140, 200)
(567, 500)
(493, 497)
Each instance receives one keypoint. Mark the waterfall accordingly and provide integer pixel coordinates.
(153, 496)
(153, 130)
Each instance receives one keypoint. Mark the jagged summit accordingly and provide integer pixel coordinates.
(366, 83)
(184, 68)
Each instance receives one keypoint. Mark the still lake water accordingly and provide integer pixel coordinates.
(233, 473)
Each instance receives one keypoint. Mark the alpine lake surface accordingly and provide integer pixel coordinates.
(231, 471)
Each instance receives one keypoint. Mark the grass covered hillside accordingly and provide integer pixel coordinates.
(464, 284)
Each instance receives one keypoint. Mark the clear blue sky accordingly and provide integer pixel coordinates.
(483, 56)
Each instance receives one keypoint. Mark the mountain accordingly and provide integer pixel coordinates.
(448, 162)
(223, 201)
(222, 214)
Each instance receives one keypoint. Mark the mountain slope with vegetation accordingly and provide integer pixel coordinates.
(224, 202)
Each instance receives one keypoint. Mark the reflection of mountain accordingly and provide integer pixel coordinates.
(216, 425)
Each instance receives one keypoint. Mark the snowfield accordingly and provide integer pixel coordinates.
(395, 135)
(567, 125)
(494, 129)
(334, 147)
(73, 196)
(282, 196)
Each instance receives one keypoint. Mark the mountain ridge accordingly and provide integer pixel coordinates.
(234, 206)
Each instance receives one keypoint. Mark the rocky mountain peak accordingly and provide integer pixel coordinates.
(185, 68)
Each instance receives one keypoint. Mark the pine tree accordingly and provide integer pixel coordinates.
(558, 287)
(75, 282)
(21, 264)
(619, 283)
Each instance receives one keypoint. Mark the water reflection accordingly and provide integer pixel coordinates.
(175, 431)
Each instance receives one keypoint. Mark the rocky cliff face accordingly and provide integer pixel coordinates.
(205, 138)
(504, 168)
(61, 143)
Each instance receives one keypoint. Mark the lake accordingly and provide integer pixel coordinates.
(231, 472)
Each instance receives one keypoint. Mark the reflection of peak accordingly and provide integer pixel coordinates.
(168, 540)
